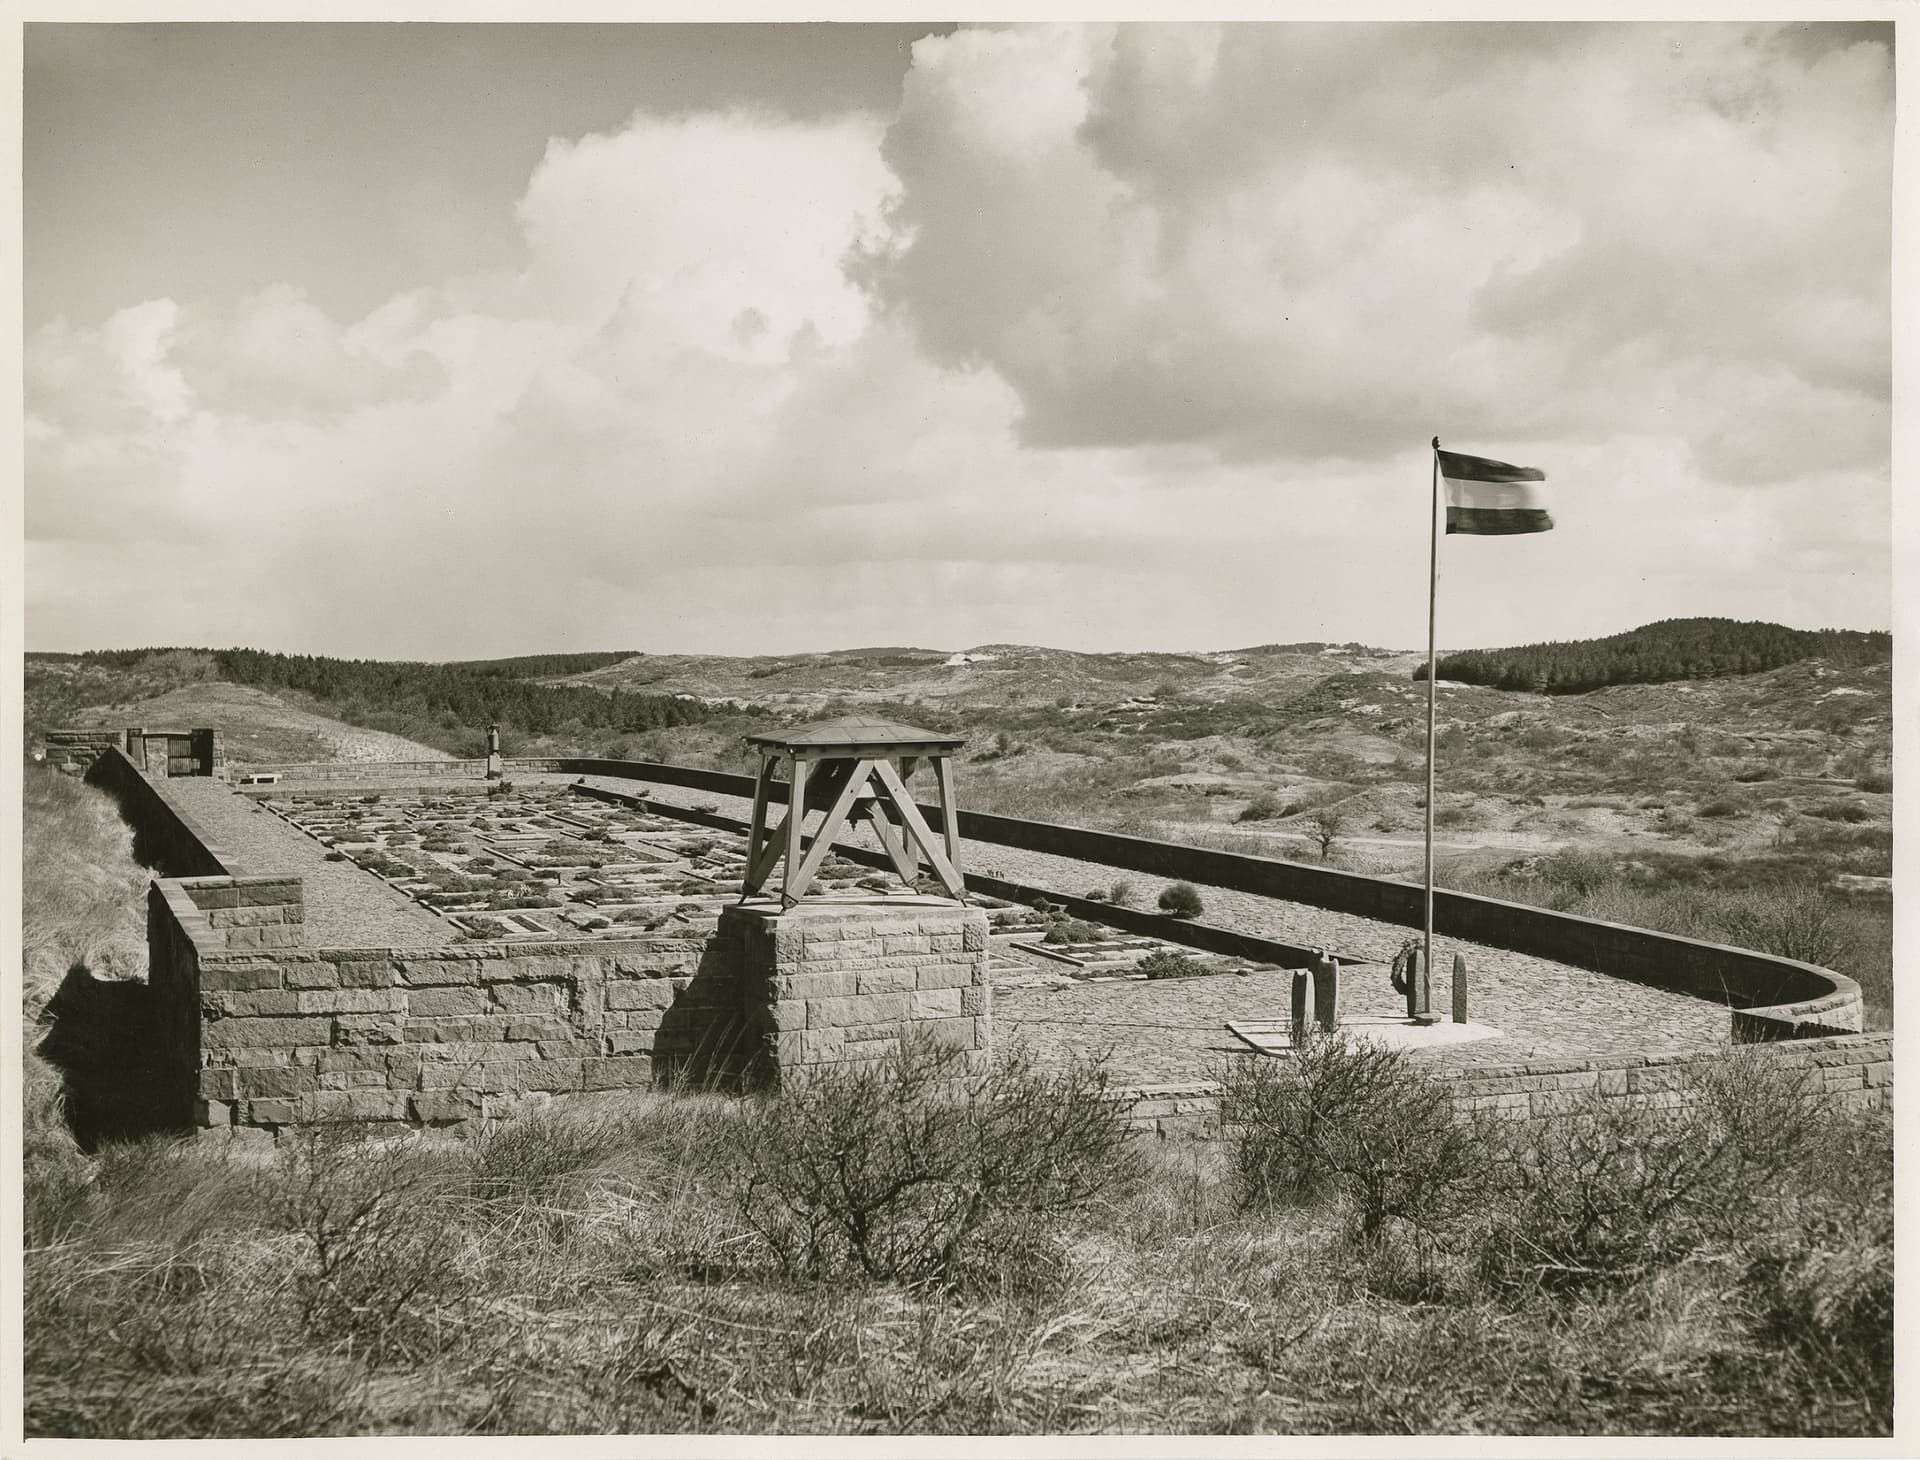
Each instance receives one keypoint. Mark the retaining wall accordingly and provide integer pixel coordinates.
(1847, 1072)
(1776, 997)
(272, 1034)
(75, 751)
(164, 836)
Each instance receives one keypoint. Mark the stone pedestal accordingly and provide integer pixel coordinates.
(836, 982)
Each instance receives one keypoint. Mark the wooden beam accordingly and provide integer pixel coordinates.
(762, 865)
(894, 840)
(758, 830)
(949, 808)
(917, 827)
(836, 818)
(796, 815)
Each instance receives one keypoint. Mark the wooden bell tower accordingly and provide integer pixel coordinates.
(852, 769)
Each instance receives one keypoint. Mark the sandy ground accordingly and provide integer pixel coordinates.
(261, 727)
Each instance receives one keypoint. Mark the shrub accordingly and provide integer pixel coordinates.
(1074, 930)
(1263, 807)
(1720, 807)
(1181, 900)
(1797, 922)
(1616, 1189)
(914, 1169)
(1165, 963)
(1878, 782)
(1121, 893)
(374, 1256)
(1848, 811)
(1343, 1117)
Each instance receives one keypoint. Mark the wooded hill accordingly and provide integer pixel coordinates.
(407, 696)
(1672, 649)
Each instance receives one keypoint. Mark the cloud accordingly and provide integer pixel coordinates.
(1300, 241)
(1112, 336)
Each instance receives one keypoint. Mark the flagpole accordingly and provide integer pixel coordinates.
(1433, 600)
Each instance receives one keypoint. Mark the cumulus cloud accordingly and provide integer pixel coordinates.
(1112, 336)
(1302, 240)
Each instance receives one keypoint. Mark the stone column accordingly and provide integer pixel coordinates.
(838, 983)
(496, 768)
(1326, 992)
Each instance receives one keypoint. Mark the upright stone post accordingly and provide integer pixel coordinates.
(1420, 990)
(1326, 991)
(1297, 1008)
(1459, 988)
(496, 769)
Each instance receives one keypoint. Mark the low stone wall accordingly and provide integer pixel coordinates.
(326, 773)
(1778, 997)
(164, 836)
(263, 1033)
(1846, 1071)
(283, 1035)
(75, 751)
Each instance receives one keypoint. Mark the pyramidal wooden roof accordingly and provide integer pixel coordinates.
(855, 733)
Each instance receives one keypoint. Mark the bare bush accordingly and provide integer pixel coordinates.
(1618, 1188)
(1801, 923)
(912, 1168)
(1343, 1117)
(1263, 807)
(374, 1254)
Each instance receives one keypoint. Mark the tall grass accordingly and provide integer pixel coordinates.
(81, 902)
(597, 1270)
(1715, 900)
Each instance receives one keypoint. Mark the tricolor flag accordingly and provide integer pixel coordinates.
(1490, 497)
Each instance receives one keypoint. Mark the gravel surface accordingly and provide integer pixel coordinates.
(346, 906)
(1172, 1030)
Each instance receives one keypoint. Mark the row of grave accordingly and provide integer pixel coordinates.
(535, 863)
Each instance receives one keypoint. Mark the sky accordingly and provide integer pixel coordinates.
(445, 341)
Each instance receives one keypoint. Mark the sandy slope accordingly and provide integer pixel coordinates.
(262, 727)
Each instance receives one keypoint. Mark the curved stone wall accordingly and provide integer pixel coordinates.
(1773, 998)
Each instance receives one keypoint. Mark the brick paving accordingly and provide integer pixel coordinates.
(346, 906)
(1169, 1031)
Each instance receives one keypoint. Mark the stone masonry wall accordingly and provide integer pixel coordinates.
(832, 984)
(1847, 1071)
(75, 751)
(269, 1034)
